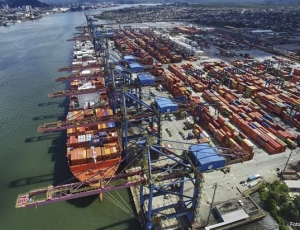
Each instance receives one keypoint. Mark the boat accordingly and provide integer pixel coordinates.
(93, 152)
(35, 16)
(7, 23)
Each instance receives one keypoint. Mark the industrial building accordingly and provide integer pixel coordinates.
(293, 185)
(233, 212)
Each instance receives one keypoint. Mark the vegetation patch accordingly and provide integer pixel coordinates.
(282, 207)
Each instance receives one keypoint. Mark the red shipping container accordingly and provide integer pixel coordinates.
(270, 149)
(211, 127)
(220, 139)
(216, 124)
(228, 135)
(271, 130)
(254, 134)
(226, 129)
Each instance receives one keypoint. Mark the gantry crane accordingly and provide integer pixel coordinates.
(277, 81)
(159, 175)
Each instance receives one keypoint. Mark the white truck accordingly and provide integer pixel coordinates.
(252, 184)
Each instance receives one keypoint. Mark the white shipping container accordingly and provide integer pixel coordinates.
(204, 134)
(252, 184)
(249, 143)
(272, 136)
(198, 53)
(86, 72)
(77, 63)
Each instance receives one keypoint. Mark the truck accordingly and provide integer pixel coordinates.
(252, 184)
(189, 123)
(253, 177)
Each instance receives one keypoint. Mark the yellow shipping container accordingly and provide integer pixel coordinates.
(69, 131)
(234, 84)
(289, 141)
(248, 143)
(84, 153)
(230, 127)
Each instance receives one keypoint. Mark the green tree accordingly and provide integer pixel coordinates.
(278, 202)
(296, 202)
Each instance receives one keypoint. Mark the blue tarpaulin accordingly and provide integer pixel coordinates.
(145, 79)
(206, 157)
(130, 58)
(136, 67)
(165, 105)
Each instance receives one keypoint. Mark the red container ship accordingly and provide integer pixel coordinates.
(93, 152)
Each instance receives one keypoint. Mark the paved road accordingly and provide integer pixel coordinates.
(264, 165)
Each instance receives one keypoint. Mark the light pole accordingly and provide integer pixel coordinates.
(286, 164)
(212, 201)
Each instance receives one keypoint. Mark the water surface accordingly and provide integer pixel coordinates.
(30, 54)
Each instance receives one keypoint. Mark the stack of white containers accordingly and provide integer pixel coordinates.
(84, 138)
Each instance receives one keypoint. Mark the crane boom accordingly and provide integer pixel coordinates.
(66, 93)
(54, 194)
(78, 77)
(79, 67)
(63, 125)
(91, 121)
(65, 192)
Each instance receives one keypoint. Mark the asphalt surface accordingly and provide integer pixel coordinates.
(229, 186)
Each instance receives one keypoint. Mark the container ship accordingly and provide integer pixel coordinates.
(93, 152)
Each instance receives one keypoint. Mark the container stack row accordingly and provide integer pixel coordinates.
(227, 135)
(253, 121)
(80, 156)
(197, 85)
(281, 104)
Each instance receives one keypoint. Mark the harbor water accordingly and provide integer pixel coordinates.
(30, 54)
